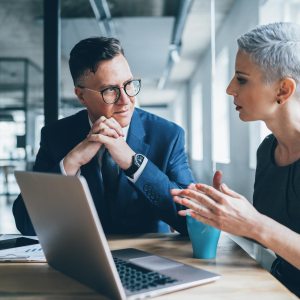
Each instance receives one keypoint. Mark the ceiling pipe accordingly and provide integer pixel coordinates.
(175, 46)
(103, 17)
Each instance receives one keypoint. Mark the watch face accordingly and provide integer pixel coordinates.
(139, 159)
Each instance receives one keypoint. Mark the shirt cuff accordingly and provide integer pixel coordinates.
(63, 171)
(140, 170)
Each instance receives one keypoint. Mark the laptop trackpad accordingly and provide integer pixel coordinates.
(155, 263)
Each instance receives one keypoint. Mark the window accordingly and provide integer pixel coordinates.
(39, 123)
(279, 10)
(12, 128)
(220, 110)
(197, 128)
(263, 131)
(258, 131)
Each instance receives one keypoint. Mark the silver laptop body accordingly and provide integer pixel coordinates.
(69, 230)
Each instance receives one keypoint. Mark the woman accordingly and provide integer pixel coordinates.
(266, 86)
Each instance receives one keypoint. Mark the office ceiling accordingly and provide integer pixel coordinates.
(144, 27)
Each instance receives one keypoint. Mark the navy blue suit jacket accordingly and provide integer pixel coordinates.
(140, 205)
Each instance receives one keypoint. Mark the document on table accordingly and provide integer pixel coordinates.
(30, 253)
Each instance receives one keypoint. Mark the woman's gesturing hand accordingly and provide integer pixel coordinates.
(223, 208)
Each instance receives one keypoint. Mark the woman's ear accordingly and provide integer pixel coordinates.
(79, 93)
(287, 88)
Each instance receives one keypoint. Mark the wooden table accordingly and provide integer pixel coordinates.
(242, 277)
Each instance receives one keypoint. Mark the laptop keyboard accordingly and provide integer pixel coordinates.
(135, 278)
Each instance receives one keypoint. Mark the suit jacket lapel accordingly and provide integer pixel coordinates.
(82, 126)
(136, 135)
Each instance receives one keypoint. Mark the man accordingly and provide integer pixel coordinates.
(130, 158)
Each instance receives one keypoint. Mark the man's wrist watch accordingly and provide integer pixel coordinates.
(137, 160)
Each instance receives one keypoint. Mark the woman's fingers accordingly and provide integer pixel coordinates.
(201, 209)
(184, 212)
(204, 219)
(192, 186)
(175, 192)
(201, 218)
(226, 190)
(178, 199)
(196, 197)
(211, 192)
(217, 180)
(224, 209)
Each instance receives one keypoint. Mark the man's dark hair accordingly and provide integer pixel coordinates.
(88, 53)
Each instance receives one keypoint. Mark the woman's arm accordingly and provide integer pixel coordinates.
(231, 212)
(280, 239)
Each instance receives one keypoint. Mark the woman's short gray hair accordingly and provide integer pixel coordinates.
(275, 48)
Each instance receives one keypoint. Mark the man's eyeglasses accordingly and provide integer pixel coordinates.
(111, 95)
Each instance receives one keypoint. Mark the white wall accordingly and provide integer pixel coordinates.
(179, 107)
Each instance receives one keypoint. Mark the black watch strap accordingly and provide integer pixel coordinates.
(137, 161)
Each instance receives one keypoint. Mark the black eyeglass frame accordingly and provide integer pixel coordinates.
(117, 89)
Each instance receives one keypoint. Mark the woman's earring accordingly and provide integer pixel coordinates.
(279, 101)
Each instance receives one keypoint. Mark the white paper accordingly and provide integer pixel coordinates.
(30, 253)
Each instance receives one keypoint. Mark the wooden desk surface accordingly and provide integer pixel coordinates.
(242, 277)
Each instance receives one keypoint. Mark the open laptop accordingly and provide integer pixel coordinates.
(70, 233)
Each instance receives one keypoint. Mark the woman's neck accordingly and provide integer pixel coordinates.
(286, 128)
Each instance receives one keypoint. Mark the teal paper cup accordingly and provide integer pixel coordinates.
(204, 238)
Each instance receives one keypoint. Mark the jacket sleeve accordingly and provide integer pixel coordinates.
(155, 184)
(44, 163)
